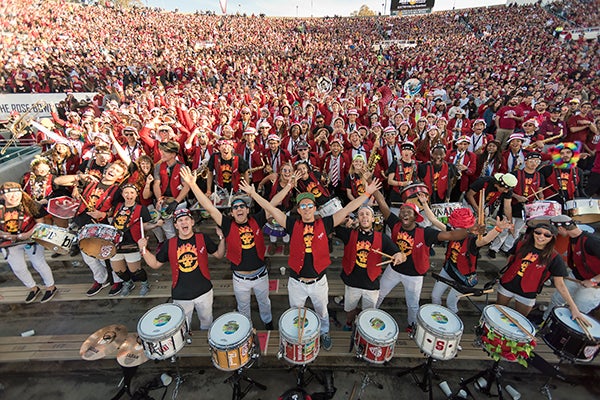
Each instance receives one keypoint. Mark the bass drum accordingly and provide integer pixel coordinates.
(567, 339)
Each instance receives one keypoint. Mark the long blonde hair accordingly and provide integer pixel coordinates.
(29, 205)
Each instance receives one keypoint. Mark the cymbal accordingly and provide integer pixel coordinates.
(131, 353)
(103, 342)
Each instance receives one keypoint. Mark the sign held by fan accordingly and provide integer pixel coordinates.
(324, 85)
(412, 87)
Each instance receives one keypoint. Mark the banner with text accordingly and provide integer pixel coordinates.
(404, 7)
(35, 102)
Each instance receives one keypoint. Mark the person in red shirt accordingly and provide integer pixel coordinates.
(581, 127)
(507, 119)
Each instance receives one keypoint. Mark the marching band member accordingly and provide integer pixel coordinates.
(361, 271)
(563, 174)
(532, 262)
(402, 173)
(583, 257)
(490, 161)
(187, 255)
(479, 139)
(274, 155)
(245, 250)
(415, 242)
(335, 167)
(465, 162)
(18, 212)
(438, 175)
(309, 249)
(514, 155)
(310, 181)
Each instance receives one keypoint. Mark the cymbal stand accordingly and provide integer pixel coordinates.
(484, 381)
(178, 378)
(236, 382)
(424, 383)
(128, 374)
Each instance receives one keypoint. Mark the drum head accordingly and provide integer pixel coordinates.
(498, 321)
(564, 315)
(229, 330)
(439, 320)
(288, 324)
(377, 325)
(160, 321)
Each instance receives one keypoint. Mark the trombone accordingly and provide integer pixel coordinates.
(17, 128)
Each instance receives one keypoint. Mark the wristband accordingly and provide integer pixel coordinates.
(498, 230)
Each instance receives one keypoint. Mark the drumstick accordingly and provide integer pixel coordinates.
(514, 321)
(385, 263)
(583, 323)
(568, 278)
(472, 294)
(302, 327)
(480, 212)
(536, 193)
(143, 250)
(381, 253)
(299, 313)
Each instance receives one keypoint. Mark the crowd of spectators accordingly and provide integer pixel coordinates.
(579, 13)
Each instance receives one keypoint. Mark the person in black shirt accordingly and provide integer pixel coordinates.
(245, 249)
(360, 265)
(187, 254)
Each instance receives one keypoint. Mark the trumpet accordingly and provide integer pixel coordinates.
(551, 138)
(17, 128)
(202, 170)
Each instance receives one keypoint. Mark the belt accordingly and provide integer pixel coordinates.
(264, 273)
(309, 281)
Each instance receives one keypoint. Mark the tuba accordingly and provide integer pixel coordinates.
(19, 126)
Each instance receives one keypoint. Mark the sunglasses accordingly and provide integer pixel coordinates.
(238, 206)
(310, 206)
(163, 131)
(539, 233)
(128, 134)
(565, 224)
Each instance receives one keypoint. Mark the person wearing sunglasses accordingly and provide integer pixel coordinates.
(583, 255)
(245, 250)
(533, 261)
(309, 248)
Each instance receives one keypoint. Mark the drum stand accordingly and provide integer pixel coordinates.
(366, 381)
(178, 377)
(545, 389)
(236, 382)
(425, 383)
(301, 370)
(128, 374)
(485, 380)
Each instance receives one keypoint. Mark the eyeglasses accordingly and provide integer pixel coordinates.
(128, 134)
(238, 206)
(245, 113)
(302, 149)
(539, 233)
(304, 206)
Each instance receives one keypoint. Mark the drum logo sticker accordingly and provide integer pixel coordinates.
(161, 319)
(507, 321)
(296, 322)
(231, 327)
(105, 251)
(376, 351)
(377, 324)
(590, 351)
(439, 317)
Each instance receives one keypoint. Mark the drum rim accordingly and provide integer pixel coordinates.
(305, 338)
(374, 340)
(433, 330)
(163, 335)
(509, 334)
(579, 332)
(232, 345)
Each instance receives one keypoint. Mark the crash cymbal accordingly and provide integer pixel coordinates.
(103, 342)
(131, 353)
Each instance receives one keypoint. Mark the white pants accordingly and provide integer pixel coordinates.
(168, 227)
(15, 256)
(412, 291)
(203, 305)
(99, 270)
(440, 288)
(318, 292)
(586, 299)
(242, 289)
(505, 240)
(353, 295)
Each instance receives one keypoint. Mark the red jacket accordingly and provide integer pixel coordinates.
(319, 246)
(349, 259)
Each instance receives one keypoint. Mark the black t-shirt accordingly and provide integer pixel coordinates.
(190, 283)
(359, 278)
(83, 218)
(250, 260)
(517, 207)
(90, 167)
(490, 191)
(556, 267)
(407, 173)
(422, 170)
(456, 246)
(406, 244)
(227, 169)
(121, 220)
(308, 270)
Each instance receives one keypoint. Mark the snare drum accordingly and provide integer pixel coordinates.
(567, 339)
(331, 207)
(375, 336)
(162, 331)
(231, 341)
(293, 348)
(541, 210)
(584, 210)
(54, 238)
(499, 333)
(409, 193)
(438, 331)
(442, 211)
(99, 241)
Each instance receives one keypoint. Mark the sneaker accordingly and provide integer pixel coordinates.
(269, 326)
(326, 341)
(33, 294)
(115, 289)
(127, 288)
(74, 250)
(409, 329)
(55, 255)
(271, 250)
(49, 295)
(286, 249)
(491, 254)
(339, 300)
(145, 288)
(347, 328)
(96, 287)
(505, 253)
